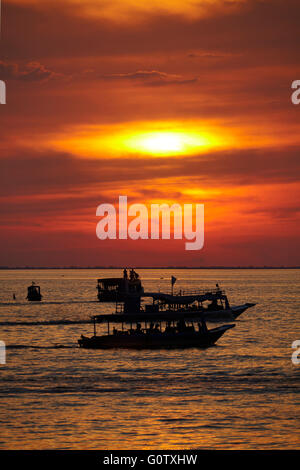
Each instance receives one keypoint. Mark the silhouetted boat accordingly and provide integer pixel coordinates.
(114, 289)
(34, 293)
(212, 304)
(171, 331)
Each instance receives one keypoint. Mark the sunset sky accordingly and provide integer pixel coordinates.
(175, 101)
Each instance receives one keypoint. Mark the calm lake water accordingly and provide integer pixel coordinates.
(242, 393)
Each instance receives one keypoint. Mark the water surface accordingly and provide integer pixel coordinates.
(242, 393)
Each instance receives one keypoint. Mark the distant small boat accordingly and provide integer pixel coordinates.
(34, 293)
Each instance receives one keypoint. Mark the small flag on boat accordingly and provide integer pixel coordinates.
(173, 280)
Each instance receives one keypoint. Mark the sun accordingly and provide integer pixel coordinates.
(157, 142)
(164, 142)
(139, 139)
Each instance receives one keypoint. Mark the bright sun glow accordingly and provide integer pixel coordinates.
(138, 139)
(161, 142)
(164, 142)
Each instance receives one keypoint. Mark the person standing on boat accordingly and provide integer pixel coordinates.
(125, 273)
(133, 275)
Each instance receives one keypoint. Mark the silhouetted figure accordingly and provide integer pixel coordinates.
(133, 275)
(125, 274)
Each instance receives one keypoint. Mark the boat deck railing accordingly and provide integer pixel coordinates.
(198, 292)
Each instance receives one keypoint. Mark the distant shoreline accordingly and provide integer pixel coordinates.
(6, 268)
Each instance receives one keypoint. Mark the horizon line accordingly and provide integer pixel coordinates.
(146, 267)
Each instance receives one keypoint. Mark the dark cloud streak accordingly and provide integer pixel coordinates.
(30, 72)
(50, 172)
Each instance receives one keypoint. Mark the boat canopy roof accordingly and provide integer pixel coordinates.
(149, 317)
(111, 281)
(117, 281)
(185, 299)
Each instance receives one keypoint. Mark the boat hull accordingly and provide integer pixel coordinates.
(239, 309)
(227, 314)
(36, 298)
(155, 341)
(217, 315)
